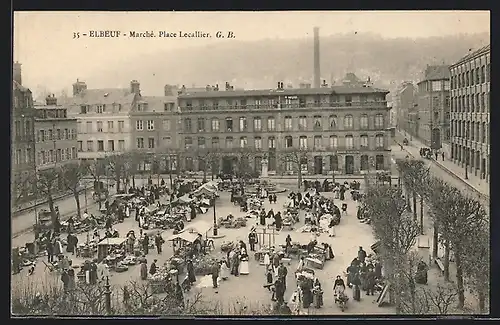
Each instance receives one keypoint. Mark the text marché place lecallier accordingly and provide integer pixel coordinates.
(152, 34)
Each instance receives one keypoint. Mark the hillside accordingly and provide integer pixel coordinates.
(260, 64)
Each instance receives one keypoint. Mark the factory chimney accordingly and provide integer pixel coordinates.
(317, 72)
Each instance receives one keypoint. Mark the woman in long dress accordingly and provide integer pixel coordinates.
(224, 270)
(244, 267)
(267, 261)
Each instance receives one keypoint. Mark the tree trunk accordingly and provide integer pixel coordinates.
(77, 200)
(204, 175)
(435, 241)
(446, 261)
(422, 215)
(415, 216)
(50, 201)
(460, 277)
(299, 177)
(118, 183)
(133, 180)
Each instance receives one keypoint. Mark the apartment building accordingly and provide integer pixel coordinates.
(22, 140)
(404, 104)
(433, 101)
(56, 135)
(470, 112)
(340, 129)
(103, 119)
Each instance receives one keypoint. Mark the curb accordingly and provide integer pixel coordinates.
(451, 173)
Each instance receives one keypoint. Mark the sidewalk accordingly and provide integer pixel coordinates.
(474, 182)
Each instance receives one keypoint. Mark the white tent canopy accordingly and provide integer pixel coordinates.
(198, 227)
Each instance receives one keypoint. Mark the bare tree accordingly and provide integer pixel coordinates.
(73, 174)
(296, 157)
(97, 169)
(116, 166)
(47, 183)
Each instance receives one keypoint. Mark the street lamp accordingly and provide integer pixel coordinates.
(107, 296)
(215, 219)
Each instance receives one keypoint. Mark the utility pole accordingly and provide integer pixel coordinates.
(107, 296)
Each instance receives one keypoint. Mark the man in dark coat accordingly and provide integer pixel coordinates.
(252, 239)
(215, 274)
(361, 255)
(235, 264)
(145, 244)
(93, 273)
(152, 268)
(159, 242)
(370, 282)
(262, 217)
(190, 271)
(282, 273)
(279, 291)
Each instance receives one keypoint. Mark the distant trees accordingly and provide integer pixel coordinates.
(296, 157)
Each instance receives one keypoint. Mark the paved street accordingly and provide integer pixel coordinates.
(350, 234)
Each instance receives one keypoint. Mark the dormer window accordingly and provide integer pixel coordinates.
(99, 109)
(83, 109)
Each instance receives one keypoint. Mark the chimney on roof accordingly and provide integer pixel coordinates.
(51, 100)
(280, 85)
(208, 87)
(228, 86)
(324, 84)
(216, 87)
(135, 87)
(170, 90)
(317, 73)
(16, 73)
(79, 87)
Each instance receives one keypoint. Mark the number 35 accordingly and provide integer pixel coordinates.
(76, 35)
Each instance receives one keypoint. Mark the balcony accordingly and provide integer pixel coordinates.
(349, 105)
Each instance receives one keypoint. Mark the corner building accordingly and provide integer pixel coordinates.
(470, 112)
(339, 129)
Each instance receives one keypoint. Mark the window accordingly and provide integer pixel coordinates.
(58, 134)
(243, 124)
(121, 126)
(447, 85)
(379, 141)
(303, 142)
(379, 162)
(167, 107)
(100, 145)
(80, 146)
(333, 142)
(83, 109)
(215, 104)
(201, 124)
(317, 122)
(50, 134)
(288, 123)
(334, 163)
(187, 125)
(363, 121)
(189, 105)
(111, 126)
(151, 143)
(348, 124)
(151, 125)
(52, 156)
(436, 86)
(66, 133)
(243, 103)
(364, 162)
(90, 145)
(487, 73)
(229, 124)
(201, 142)
(271, 143)
(349, 142)
(189, 164)
(215, 142)
(18, 128)
(364, 141)
(111, 145)
(302, 123)
(483, 106)
(166, 125)
(188, 142)
(73, 152)
(302, 102)
(258, 143)
(80, 127)
(18, 156)
(243, 142)
(289, 165)
(229, 142)
(271, 124)
(334, 100)
(257, 124)
(140, 143)
(483, 133)
(139, 125)
(379, 121)
(332, 120)
(121, 145)
(348, 100)
(483, 74)
(167, 141)
(317, 142)
(203, 105)
(215, 125)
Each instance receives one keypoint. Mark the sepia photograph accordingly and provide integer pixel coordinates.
(264, 163)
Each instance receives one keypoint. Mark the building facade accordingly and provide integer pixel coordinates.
(154, 127)
(341, 129)
(103, 119)
(56, 135)
(470, 112)
(22, 140)
(433, 102)
(404, 104)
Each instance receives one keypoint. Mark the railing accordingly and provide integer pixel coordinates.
(381, 104)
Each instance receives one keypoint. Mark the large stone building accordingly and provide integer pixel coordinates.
(103, 117)
(56, 135)
(22, 140)
(341, 129)
(434, 106)
(404, 102)
(470, 112)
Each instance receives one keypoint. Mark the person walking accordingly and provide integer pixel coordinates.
(442, 155)
(159, 242)
(215, 275)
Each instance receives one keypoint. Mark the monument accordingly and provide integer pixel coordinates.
(264, 170)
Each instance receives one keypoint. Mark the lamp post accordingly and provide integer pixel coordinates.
(215, 219)
(107, 296)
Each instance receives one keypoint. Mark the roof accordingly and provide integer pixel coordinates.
(200, 227)
(112, 241)
(103, 96)
(482, 50)
(186, 236)
(285, 92)
(157, 103)
(18, 86)
(437, 72)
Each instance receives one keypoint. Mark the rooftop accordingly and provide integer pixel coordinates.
(102, 96)
(284, 92)
(484, 49)
(437, 72)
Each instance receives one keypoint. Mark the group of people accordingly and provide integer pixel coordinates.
(363, 274)
(235, 262)
(270, 219)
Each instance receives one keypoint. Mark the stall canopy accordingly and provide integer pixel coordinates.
(186, 236)
(112, 241)
(198, 227)
(183, 200)
(204, 190)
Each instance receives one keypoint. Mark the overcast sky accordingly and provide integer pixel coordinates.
(44, 44)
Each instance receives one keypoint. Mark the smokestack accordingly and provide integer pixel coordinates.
(317, 72)
(16, 73)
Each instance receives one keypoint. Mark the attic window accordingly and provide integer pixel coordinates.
(106, 94)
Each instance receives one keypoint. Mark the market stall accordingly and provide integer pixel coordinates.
(198, 227)
(109, 245)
